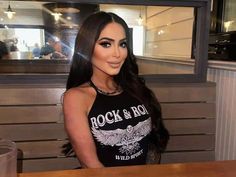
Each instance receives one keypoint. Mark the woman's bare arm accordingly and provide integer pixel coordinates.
(75, 109)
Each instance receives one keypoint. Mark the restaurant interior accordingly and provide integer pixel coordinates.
(185, 52)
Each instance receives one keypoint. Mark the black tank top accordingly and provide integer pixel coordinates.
(119, 125)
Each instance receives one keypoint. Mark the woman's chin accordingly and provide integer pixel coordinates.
(113, 72)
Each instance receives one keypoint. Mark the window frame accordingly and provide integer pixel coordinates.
(202, 35)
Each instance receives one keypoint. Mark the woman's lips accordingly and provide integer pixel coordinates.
(114, 64)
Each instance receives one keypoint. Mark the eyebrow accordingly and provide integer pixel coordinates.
(110, 39)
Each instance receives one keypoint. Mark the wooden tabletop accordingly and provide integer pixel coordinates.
(205, 169)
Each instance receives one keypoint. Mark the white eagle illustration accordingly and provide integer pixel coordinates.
(127, 138)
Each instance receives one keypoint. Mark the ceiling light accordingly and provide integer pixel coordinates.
(9, 12)
(140, 18)
(227, 25)
(68, 18)
(56, 15)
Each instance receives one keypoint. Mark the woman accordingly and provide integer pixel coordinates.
(109, 112)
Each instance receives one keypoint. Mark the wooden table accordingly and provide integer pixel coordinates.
(205, 169)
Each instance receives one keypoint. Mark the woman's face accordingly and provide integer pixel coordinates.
(110, 50)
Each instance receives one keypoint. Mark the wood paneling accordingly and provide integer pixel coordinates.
(188, 110)
(32, 117)
(191, 143)
(172, 32)
(41, 149)
(31, 114)
(31, 96)
(34, 66)
(180, 157)
(189, 115)
(170, 16)
(31, 132)
(153, 10)
(36, 149)
(172, 49)
(49, 164)
(169, 32)
(191, 126)
(206, 169)
(183, 93)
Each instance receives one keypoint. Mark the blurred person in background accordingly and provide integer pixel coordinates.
(52, 49)
(4, 52)
(47, 50)
(57, 54)
(36, 51)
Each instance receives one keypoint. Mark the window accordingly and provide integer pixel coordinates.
(163, 33)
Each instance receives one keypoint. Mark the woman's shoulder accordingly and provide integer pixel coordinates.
(80, 94)
(76, 102)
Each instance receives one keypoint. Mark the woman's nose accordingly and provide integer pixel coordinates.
(116, 51)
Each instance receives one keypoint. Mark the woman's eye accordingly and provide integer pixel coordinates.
(123, 44)
(105, 44)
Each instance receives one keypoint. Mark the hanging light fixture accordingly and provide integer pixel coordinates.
(140, 19)
(9, 12)
(56, 15)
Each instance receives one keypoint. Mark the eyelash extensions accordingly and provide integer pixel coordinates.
(106, 44)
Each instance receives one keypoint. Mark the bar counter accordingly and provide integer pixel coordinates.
(204, 169)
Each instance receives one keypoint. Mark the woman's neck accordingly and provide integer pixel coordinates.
(104, 83)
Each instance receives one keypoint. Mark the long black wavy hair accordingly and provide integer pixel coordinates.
(128, 78)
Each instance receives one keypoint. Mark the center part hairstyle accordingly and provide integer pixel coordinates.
(81, 70)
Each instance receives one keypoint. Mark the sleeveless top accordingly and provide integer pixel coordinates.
(120, 125)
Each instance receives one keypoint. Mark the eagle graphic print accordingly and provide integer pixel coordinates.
(127, 138)
(120, 132)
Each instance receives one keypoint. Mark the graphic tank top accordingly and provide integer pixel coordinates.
(119, 125)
